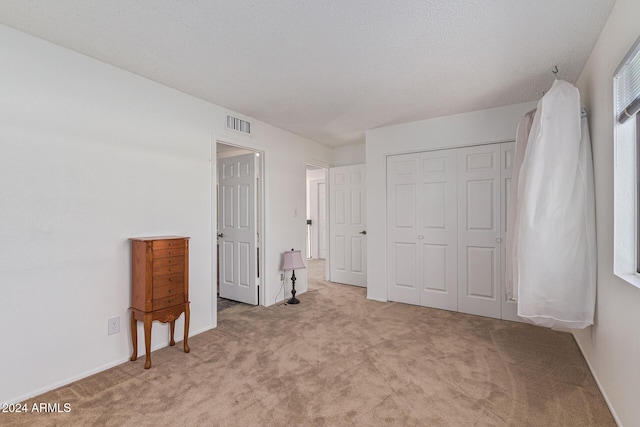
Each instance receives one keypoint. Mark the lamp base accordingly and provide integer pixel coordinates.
(293, 299)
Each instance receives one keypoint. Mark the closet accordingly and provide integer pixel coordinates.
(446, 229)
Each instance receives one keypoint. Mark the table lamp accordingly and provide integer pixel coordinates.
(293, 261)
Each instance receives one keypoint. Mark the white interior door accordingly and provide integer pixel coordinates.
(422, 229)
(318, 216)
(237, 228)
(347, 243)
(479, 231)
(313, 216)
(322, 220)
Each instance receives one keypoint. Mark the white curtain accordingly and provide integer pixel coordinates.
(551, 248)
(522, 135)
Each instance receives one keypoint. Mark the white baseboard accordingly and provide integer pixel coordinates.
(94, 371)
(595, 377)
(67, 381)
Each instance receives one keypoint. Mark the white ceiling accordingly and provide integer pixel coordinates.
(330, 70)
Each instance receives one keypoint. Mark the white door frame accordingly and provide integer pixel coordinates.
(263, 218)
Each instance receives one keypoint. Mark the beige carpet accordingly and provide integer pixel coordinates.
(338, 359)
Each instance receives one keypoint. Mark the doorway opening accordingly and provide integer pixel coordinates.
(238, 225)
(317, 224)
(317, 213)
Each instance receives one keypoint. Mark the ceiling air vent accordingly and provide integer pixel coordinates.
(239, 125)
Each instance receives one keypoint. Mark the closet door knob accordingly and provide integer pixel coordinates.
(421, 237)
(498, 239)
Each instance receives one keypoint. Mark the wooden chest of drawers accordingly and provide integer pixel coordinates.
(159, 287)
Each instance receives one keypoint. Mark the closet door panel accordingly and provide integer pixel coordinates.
(435, 212)
(481, 273)
(402, 250)
(434, 268)
(403, 275)
(438, 229)
(509, 306)
(480, 215)
(479, 234)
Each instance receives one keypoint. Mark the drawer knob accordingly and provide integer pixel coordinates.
(170, 244)
(170, 253)
(171, 269)
(170, 291)
(170, 279)
(169, 301)
(170, 260)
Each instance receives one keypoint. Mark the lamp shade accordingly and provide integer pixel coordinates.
(292, 261)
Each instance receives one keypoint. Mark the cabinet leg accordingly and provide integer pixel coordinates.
(186, 328)
(147, 340)
(134, 337)
(172, 325)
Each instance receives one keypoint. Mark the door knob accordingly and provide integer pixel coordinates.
(363, 232)
(220, 235)
(498, 239)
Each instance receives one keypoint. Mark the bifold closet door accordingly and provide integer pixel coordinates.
(479, 230)
(509, 306)
(422, 229)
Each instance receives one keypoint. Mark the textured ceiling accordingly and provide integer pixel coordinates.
(330, 70)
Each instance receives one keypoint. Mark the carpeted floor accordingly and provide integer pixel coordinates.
(338, 359)
(224, 303)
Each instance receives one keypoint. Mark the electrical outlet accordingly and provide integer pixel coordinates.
(113, 326)
(281, 277)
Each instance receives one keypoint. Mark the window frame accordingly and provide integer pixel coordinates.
(637, 192)
(626, 187)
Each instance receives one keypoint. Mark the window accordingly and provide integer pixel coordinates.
(627, 170)
(637, 192)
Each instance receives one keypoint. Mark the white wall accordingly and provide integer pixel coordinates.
(486, 126)
(612, 346)
(349, 155)
(93, 155)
